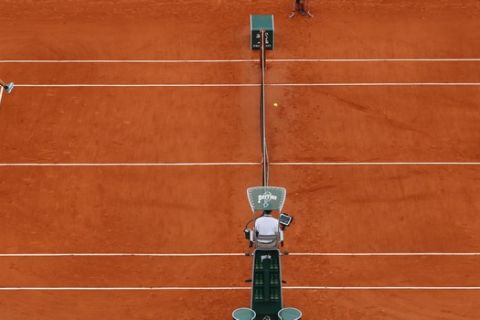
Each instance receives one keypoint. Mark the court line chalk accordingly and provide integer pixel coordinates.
(394, 163)
(219, 164)
(239, 60)
(131, 164)
(200, 85)
(229, 254)
(237, 288)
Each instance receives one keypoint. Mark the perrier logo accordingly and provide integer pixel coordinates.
(266, 198)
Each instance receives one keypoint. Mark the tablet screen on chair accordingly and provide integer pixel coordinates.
(285, 219)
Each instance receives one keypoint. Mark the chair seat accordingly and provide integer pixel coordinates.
(290, 314)
(243, 314)
(266, 242)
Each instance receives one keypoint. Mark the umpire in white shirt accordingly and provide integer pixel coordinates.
(267, 225)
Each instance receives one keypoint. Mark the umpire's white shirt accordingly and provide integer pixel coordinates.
(266, 225)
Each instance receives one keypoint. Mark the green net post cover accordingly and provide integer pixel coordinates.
(266, 198)
(257, 24)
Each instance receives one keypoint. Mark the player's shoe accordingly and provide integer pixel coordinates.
(9, 87)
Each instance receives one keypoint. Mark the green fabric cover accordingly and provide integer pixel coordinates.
(289, 314)
(243, 314)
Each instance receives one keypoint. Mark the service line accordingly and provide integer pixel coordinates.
(375, 84)
(142, 85)
(130, 164)
(239, 60)
(234, 288)
(230, 254)
(393, 163)
(193, 85)
(220, 164)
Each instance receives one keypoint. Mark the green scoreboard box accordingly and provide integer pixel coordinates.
(257, 24)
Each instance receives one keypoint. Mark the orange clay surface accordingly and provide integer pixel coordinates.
(148, 209)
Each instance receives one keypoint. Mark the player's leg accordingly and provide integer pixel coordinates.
(7, 86)
(301, 7)
(298, 5)
(306, 8)
(295, 8)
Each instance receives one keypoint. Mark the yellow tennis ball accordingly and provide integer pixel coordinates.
(275, 104)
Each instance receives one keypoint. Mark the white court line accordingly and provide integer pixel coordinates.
(219, 164)
(132, 164)
(189, 85)
(377, 60)
(144, 85)
(395, 163)
(374, 84)
(118, 288)
(385, 254)
(135, 61)
(220, 254)
(241, 60)
(236, 288)
(381, 288)
(120, 254)
(1, 93)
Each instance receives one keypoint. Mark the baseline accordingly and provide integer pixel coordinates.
(241, 60)
(230, 288)
(132, 164)
(208, 164)
(325, 84)
(223, 254)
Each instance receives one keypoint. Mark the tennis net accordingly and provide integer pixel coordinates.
(265, 164)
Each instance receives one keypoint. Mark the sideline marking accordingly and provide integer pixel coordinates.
(131, 164)
(144, 85)
(374, 84)
(375, 163)
(380, 288)
(229, 288)
(244, 60)
(117, 288)
(120, 254)
(325, 254)
(187, 85)
(212, 164)
(1, 94)
(134, 61)
(384, 254)
(377, 60)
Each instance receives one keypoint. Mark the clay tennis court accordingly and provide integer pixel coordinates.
(133, 133)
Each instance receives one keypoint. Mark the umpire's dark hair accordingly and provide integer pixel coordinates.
(267, 211)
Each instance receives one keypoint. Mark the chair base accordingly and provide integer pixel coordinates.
(290, 314)
(243, 314)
